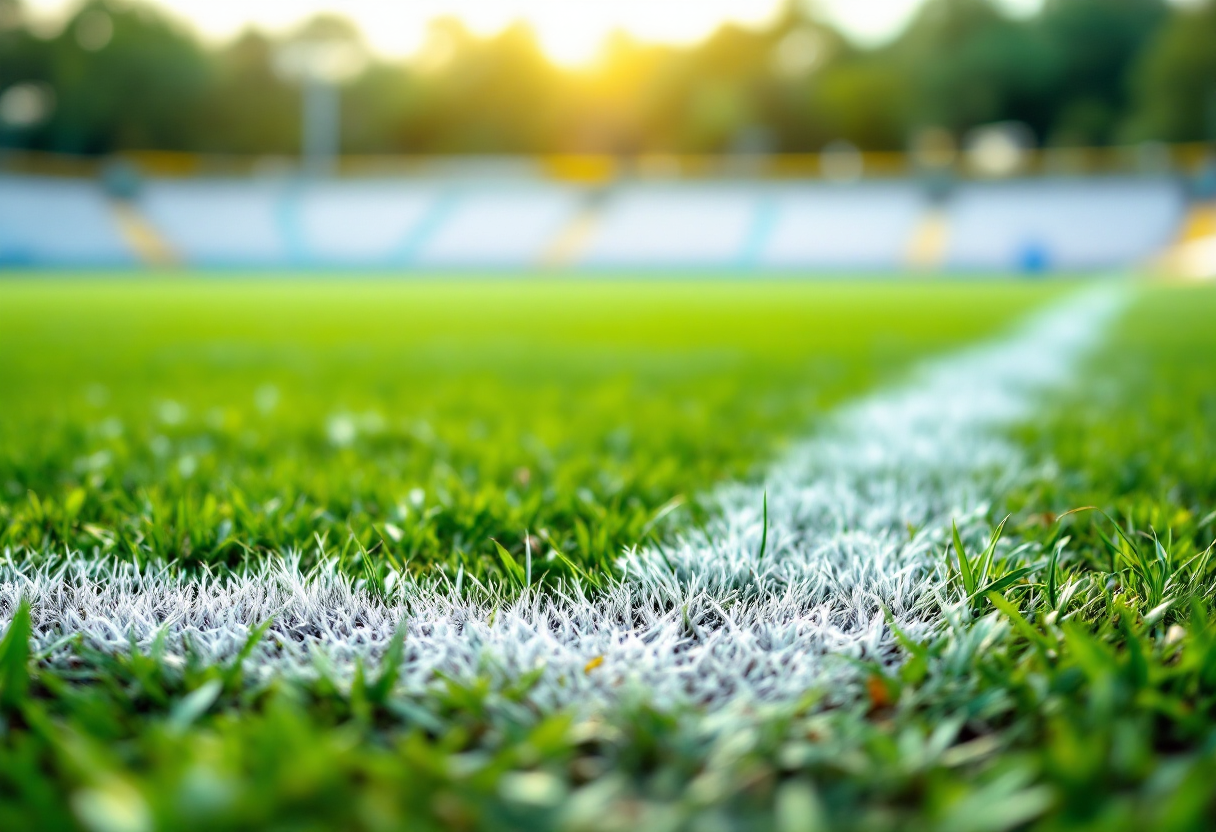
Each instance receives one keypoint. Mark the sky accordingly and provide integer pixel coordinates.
(570, 31)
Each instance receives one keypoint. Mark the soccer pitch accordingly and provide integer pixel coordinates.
(524, 554)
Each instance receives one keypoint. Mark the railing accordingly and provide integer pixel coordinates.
(597, 169)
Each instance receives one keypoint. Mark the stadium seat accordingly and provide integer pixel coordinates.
(58, 222)
(221, 222)
(1030, 225)
(357, 223)
(1037, 225)
(860, 226)
(675, 226)
(503, 226)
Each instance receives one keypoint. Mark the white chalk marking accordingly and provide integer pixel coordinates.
(856, 522)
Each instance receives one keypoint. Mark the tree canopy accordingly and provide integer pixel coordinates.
(1080, 72)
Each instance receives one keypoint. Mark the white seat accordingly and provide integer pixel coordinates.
(1062, 224)
(1028, 224)
(862, 226)
(675, 225)
(497, 227)
(356, 223)
(62, 222)
(221, 222)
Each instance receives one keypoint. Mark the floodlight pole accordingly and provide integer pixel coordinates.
(322, 125)
(319, 67)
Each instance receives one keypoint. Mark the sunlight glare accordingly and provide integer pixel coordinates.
(571, 32)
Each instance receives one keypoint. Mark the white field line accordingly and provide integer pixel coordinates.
(856, 520)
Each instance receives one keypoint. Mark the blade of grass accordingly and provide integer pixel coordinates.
(964, 564)
(764, 534)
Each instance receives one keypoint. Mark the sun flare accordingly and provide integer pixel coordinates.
(571, 32)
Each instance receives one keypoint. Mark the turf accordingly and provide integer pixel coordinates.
(1081, 696)
(200, 421)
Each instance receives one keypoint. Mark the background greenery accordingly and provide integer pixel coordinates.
(1079, 72)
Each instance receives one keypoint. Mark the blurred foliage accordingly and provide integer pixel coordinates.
(1176, 79)
(204, 422)
(1065, 73)
(1077, 72)
(143, 88)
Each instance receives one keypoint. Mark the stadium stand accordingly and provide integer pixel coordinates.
(355, 223)
(1037, 225)
(501, 227)
(58, 222)
(221, 222)
(861, 226)
(1031, 224)
(684, 226)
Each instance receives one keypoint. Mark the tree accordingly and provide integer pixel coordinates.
(125, 78)
(1096, 46)
(248, 107)
(1175, 82)
(1078, 72)
(969, 64)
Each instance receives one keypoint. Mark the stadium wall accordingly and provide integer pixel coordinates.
(790, 214)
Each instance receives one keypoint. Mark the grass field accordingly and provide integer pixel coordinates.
(197, 421)
(397, 430)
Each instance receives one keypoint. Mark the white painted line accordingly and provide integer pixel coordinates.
(856, 518)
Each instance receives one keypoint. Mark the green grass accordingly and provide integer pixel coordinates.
(1083, 697)
(200, 421)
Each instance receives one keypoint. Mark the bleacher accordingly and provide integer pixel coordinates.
(1062, 224)
(58, 222)
(436, 223)
(674, 226)
(502, 227)
(219, 223)
(353, 223)
(866, 226)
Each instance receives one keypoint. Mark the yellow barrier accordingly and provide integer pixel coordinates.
(581, 168)
(598, 169)
(1193, 255)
